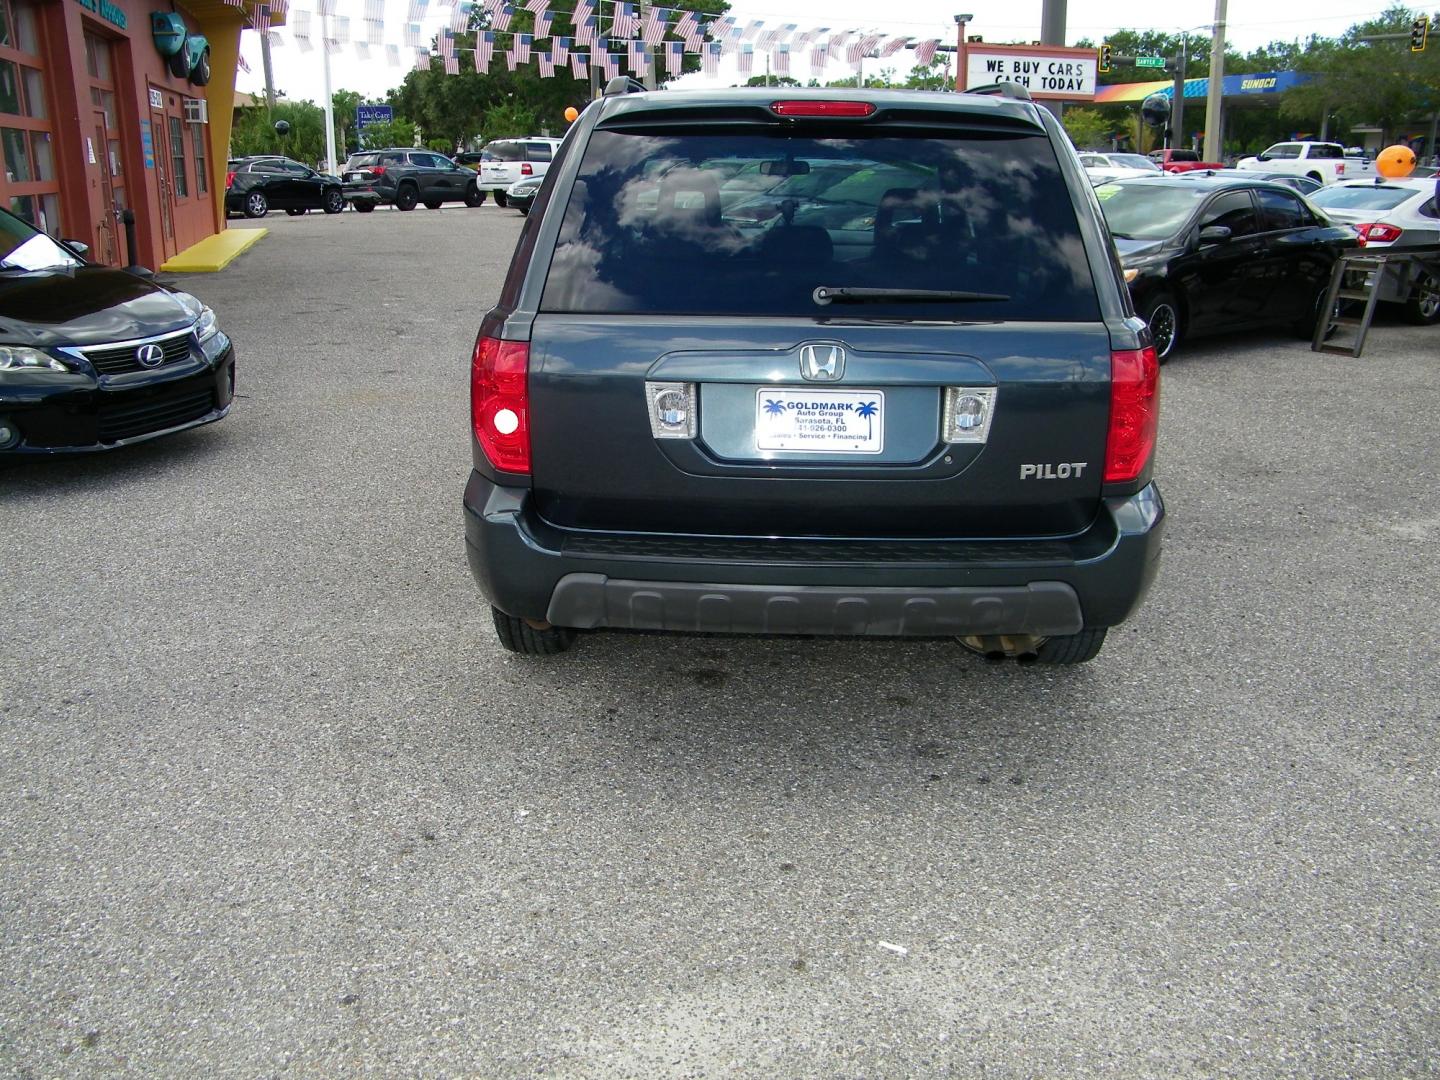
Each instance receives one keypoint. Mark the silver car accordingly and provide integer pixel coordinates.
(1393, 215)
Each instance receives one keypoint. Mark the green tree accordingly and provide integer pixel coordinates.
(507, 121)
(1087, 128)
(771, 80)
(342, 105)
(398, 132)
(254, 132)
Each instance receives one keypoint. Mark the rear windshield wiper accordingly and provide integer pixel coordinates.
(830, 294)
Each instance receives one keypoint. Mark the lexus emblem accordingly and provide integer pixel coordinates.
(150, 355)
(822, 363)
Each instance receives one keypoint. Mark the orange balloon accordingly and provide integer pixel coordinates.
(572, 113)
(1395, 162)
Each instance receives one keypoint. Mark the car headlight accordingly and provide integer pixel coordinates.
(207, 326)
(19, 358)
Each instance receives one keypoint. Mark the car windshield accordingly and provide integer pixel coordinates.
(1134, 161)
(1362, 197)
(709, 223)
(23, 247)
(1148, 211)
(361, 161)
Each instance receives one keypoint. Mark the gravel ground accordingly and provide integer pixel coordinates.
(276, 802)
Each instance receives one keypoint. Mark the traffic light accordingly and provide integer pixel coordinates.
(1104, 64)
(1419, 29)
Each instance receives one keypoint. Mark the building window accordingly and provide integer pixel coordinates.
(29, 186)
(197, 133)
(97, 58)
(177, 156)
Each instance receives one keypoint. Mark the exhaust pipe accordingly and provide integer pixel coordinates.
(1023, 648)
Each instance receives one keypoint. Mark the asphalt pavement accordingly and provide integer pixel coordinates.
(276, 803)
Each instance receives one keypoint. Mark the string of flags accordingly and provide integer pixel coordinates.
(636, 38)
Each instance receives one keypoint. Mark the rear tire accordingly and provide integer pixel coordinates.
(474, 197)
(256, 205)
(295, 212)
(432, 206)
(518, 636)
(500, 198)
(1071, 648)
(333, 201)
(406, 197)
(1423, 307)
(364, 207)
(1162, 315)
(1305, 328)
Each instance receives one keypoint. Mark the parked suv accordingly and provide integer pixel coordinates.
(504, 161)
(405, 177)
(816, 362)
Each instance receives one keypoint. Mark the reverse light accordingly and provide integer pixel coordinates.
(1134, 413)
(672, 410)
(966, 415)
(822, 108)
(1376, 232)
(500, 402)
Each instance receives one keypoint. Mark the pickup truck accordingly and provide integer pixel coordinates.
(1322, 161)
(1176, 161)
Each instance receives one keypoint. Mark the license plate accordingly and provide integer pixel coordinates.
(820, 421)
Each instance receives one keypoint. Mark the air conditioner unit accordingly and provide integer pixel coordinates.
(197, 111)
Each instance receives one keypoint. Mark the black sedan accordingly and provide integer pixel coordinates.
(256, 185)
(92, 358)
(1218, 253)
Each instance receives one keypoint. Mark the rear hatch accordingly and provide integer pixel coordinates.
(849, 329)
(1372, 204)
(500, 164)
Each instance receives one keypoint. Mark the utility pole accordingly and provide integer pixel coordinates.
(1052, 32)
(329, 96)
(1177, 99)
(961, 21)
(269, 71)
(1214, 121)
(649, 77)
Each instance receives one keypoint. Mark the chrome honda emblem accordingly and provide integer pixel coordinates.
(149, 355)
(822, 363)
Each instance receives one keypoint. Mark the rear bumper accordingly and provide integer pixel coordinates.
(528, 568)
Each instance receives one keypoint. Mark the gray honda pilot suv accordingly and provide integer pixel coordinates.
(815, 362)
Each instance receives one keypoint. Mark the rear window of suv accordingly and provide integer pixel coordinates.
(752, 224)
(503, 151)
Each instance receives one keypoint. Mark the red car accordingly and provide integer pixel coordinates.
(1182, 161)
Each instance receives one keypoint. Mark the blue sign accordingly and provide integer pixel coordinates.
(147, 144)
(373, 114)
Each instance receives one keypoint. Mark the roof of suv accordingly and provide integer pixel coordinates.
(885, 101)
(1215, 181)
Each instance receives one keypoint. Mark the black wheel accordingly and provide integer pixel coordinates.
(519, 636)
(406, 197)
(1162, 315)
(1316, 177)
(334, 201)
(295, 211)
(432, 205)
(1423, 307)
(499, 198)
(1305, 328)
(474, 197)
(256, 205)
(364, 207)
(1071, 648)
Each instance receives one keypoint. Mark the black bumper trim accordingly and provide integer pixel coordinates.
(590, 601)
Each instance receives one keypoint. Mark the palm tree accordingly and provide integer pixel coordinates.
(773, 407)
(865, 410)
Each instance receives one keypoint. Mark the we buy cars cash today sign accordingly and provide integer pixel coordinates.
(1047, 71)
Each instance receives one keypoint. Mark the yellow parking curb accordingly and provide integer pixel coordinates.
(213, 253)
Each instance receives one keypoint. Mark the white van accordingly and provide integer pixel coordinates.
(504, 161)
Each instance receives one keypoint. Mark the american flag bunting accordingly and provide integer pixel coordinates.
(542, 24)
(300, 26)
(375, 10)
(262, 17)
(501, 16)
(417, 11)
(612, 66)
(539, 7)
(546, 64)
(674, 57)
(710, 59)
(422, 60)
(636, 52)
(584, 9)
(460, 17)
(362, 51)
(374, 32)
(656, 20)
(751, 29)
(585, 30)
(561, 48)
(580, 65)
(342, 29)
(277, 39)
(837, 42)
(747, 59)
(781, 59)
(452, 65)
(688, 30)
(510, 59)
(392, 55)
(445, 44)
(925, 51)
(522, 47)
(624, 23)
(894, 45)
(240, 62)
(818, 56)
(325, 7)
(484, 49)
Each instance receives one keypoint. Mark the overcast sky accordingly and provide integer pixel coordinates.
(1250, 23)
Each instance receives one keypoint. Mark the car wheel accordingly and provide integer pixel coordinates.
(256, 205)
(1423, 307)
(524, 210)
(294, 211)
(432, 205)
(405, 198)
(499, 198)
(1316, 177)
(523, 637)
(1305, 328)
(1071, 648)
(474, 197)
(334, 201)
(1162, 315)
(364, 207)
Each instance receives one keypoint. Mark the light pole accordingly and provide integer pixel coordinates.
(960, 74)
(1214, 121)
(1177, 106)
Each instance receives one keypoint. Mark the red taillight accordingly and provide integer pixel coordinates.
(376, 170)
(1134, 413)
(1378, 233)
(527, 169)
(822, 108)
(500, 402)
(229, 179)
